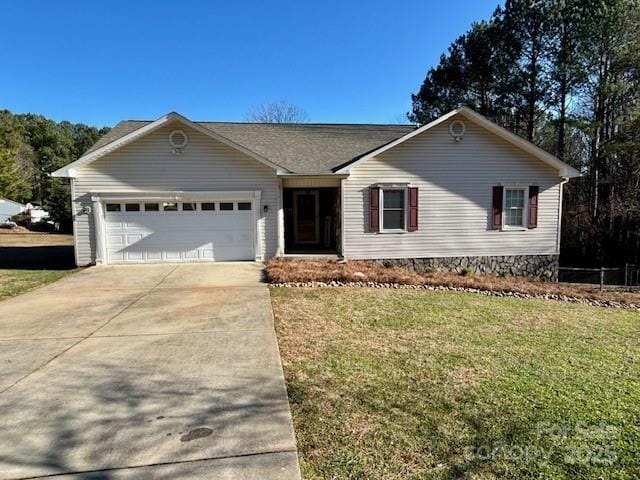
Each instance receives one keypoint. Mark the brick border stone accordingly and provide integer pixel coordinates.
(443, 288)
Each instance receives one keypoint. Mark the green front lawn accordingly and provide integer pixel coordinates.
(15, 282)
(388, 384)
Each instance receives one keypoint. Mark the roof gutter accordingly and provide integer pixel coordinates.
(313, 175)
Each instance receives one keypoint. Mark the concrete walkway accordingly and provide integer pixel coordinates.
(154, 371)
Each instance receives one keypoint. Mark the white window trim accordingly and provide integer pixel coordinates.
(404, 188)
(525, 208)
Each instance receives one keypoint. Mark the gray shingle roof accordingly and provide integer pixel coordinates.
(120, 130)
(300, 148)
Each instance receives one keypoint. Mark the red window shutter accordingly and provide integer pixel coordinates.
(496, 210)
(532, 217)
(374, 209)
(412, 223)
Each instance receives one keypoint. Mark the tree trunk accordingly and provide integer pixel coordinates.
(532, 95)
(562, 120)
(563, 85)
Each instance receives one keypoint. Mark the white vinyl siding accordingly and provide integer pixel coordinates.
(454, 181)
(148, 164)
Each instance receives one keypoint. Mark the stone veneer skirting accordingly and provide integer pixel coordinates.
(537, 266)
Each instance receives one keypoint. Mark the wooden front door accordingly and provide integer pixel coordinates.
(306, 216)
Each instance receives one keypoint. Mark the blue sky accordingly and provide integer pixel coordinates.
(98, 62)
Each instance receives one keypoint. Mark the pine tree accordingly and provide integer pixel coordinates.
(565, 75)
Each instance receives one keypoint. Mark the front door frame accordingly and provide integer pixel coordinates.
(316, 194)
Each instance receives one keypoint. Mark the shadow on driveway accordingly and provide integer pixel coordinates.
(49, 257)
(133, 417)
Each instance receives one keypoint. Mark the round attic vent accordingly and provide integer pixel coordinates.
(457, 128)
(178, 139)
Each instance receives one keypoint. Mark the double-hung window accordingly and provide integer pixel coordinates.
(393, 211)
(514, 207)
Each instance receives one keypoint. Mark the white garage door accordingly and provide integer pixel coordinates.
(179, 231)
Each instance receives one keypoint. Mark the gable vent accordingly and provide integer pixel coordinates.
(178, 140)
(457, 129)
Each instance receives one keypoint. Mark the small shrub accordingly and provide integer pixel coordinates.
(22, 220)
(42, 227)
(466, 272)
(431, 270)
(505, 274)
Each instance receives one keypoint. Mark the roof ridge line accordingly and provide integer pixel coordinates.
(315, 124)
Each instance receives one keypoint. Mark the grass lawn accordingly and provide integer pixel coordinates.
(390, 384)
(15, 282)
(29, 239)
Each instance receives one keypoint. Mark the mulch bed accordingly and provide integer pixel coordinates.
(326, 273)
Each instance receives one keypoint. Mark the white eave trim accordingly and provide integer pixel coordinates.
(314, 175)
(564, 170)
(69, 171)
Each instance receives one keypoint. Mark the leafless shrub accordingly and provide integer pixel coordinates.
(277, 112)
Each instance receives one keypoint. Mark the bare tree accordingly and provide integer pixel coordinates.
(26, 164)
(400, 119)
(277, 112)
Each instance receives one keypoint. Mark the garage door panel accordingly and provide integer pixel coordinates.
(172, 256)
(206, 254)
(115, 256)
(115, 240)
(192, 255)
(131, 239)
(179, 236)
(135, 256)
(151, 255)
(116, 226)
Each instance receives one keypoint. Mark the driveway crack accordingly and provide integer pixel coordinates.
(164, 464)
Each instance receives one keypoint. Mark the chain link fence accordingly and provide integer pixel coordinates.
(627, 276)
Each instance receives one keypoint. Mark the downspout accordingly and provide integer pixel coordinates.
(564, 180)
(74, 221)
(342, 221)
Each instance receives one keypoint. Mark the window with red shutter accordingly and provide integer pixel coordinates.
(532, 217)
(374, 209)
(412, 220)
(496, 210)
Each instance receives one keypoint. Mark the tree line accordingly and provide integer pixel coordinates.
(31, 147)
(564, 74)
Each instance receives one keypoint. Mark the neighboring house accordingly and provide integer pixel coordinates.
(460, 191)
(36, 213)
(9, 208)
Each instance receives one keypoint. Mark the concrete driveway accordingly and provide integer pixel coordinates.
(154, 371)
